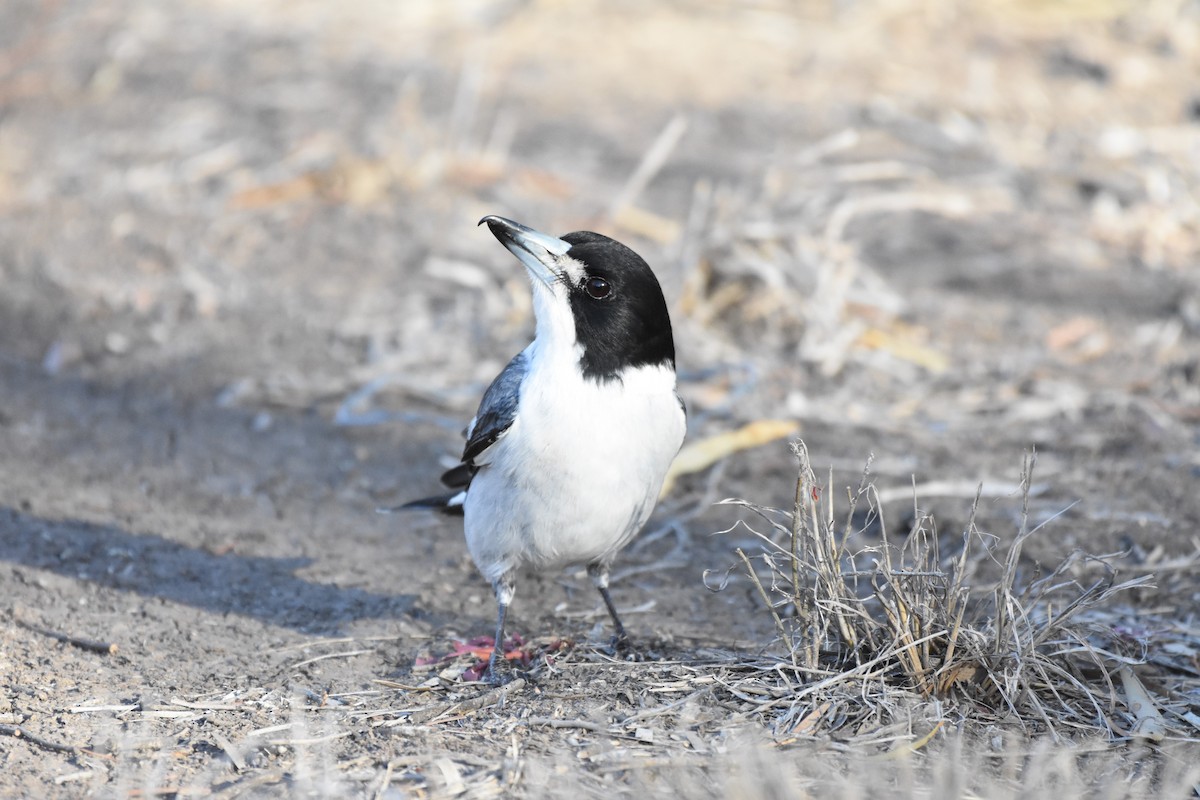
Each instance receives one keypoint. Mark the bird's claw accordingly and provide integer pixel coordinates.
(496, 679)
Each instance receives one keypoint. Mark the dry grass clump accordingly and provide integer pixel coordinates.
(871, 627)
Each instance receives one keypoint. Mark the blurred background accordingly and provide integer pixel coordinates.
(893, 221)
(235, 235)
(243, 300)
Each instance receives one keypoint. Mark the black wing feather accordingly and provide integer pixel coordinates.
(496, 413)
(498, 408)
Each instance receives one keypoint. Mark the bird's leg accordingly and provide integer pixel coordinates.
(599, 575)
(503, 587)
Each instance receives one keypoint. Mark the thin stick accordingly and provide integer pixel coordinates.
(232, 752)
(104, 648)
(497, 695)
(1009, 574)
(385, 782)
(581, 724)
(242, 787)
(311, 740)
(802, 609)
(18, 732)
(313, 660)
(651, 163)
(762, 592)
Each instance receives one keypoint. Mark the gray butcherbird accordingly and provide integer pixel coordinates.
(566, 456)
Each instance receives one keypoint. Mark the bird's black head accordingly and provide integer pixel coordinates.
(621, 318)
(617, 314)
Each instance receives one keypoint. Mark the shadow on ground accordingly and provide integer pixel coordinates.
(265, 588)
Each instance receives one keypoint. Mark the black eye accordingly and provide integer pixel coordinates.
(597, 288)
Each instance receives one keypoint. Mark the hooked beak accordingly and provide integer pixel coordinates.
(535, 250)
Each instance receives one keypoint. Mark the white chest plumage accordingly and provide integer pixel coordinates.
(577, 474)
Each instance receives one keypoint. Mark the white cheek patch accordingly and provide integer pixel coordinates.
(552, 307)
(571, 270)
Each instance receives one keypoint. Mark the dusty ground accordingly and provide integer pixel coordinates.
(942, 233)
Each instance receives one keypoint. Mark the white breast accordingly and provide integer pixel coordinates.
(578, 473)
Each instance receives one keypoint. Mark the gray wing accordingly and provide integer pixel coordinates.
(496, 413)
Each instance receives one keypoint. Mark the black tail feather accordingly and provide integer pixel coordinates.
(459, 477)
(448, 504)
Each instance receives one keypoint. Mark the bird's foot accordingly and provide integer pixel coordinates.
(496, 678)
(623, 647)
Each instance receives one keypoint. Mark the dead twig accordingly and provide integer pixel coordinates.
(652, 161)
(19, 732)
(315, 659)
(551, 722)
(94, 645)
(495, 696)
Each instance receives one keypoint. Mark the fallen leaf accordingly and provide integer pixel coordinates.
(908, 748)
(903, 345)
(706, 452)
(965, 672)
(810, 720)
(1148, 720)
